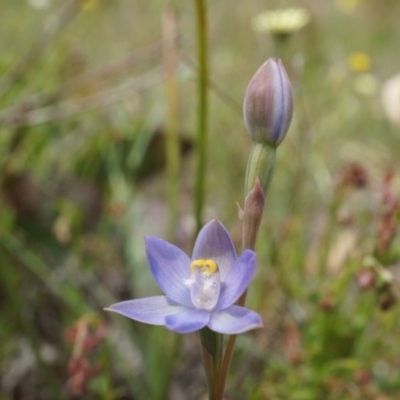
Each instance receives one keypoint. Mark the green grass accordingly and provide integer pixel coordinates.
(79, 191)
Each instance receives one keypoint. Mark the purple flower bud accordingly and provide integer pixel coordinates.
(268, 104)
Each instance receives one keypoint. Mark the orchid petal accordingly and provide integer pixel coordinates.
(151, 310)
(170, 267)
(234, 320)
(237, 280)
(187, 321)
(215, 243)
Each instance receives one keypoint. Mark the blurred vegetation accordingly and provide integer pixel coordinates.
(86, 88)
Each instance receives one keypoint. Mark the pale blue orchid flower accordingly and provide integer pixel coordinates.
(199, 292)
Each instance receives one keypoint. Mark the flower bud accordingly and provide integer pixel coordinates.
(268, 104)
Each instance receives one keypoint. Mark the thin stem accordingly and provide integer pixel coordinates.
(252, 215)
(171, 126)
(202, 55)
(261, 164)
(230, 346)
(227, 358)
(211, 350)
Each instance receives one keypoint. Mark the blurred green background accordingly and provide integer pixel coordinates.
(90, 91)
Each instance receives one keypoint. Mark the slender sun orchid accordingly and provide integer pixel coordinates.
(199, 292)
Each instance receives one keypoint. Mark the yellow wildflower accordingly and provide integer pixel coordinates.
(347, 6)
(282, 21)
(359, 62)
(89, 5)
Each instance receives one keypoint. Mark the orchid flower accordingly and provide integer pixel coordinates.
(199, 292)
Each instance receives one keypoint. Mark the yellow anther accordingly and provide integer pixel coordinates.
(206, 266)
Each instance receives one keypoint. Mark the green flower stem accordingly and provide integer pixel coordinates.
(226, 363)
(261, 164)
(211, 341)
(202, 55)
(171, 125)
(212, 344)
(227, 358)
